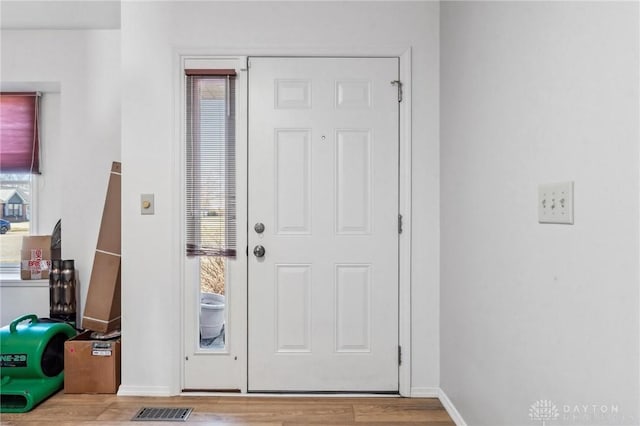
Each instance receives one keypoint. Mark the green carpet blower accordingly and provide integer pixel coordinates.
(32, 362)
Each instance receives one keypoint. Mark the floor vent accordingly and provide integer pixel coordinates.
(162, 414)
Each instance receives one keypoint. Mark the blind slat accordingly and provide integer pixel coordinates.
(210, 156)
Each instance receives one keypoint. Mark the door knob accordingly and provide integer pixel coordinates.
(259, 227)
(258, 251)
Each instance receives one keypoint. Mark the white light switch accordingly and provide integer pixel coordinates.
(555, 203)
(147, 205)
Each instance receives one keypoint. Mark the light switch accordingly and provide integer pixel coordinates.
(555, 203)
(147, 205)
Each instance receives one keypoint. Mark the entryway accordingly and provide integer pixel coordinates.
(322, 214)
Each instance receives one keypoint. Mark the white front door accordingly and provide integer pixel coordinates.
(323, 181)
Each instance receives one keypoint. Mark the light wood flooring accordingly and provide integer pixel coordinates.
(61, 410)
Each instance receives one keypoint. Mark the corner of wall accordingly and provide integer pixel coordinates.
(451, 409)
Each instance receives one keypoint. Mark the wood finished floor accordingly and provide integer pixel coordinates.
(62, 410)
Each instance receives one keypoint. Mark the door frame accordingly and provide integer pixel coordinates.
(404, 54)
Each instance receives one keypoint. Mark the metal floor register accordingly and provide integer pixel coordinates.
(162, 414)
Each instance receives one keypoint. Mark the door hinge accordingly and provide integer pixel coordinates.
(399, 224)
(399, 84)
(247, 252)
(399, 355)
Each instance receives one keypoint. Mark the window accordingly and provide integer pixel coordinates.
(210, 197)
(19, 162)
(15, 196)
(14, 210)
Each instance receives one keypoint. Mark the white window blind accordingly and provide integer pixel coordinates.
(210, 168)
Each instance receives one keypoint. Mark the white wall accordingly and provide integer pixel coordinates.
(60, 14)
(151, 34)
(85, 116)
(534, 93)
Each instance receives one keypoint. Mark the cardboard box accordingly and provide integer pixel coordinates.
(91, 366)
(102, 307)
(35, 257)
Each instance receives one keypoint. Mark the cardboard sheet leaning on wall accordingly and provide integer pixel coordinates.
(102, 308)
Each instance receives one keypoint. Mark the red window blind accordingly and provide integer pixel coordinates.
(19, 139)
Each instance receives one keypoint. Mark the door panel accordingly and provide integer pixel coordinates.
(353, 182)
(323, 179)
(293, 181)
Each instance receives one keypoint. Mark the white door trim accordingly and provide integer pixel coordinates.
(405, 238)
(402, 52)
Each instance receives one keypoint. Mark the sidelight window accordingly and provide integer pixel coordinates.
(211, 192)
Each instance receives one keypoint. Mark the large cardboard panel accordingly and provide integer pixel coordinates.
(35, 257)
(102, 308)
(91, 366)
(109, 236)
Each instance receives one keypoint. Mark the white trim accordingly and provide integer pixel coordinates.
(145, 391)
(391, 50)
(177, 214)
(403, 52)
(638, 370)
(14, 281)
(242, 194)
(425, 392)
(404, 266)
(451, 409)
(304, 1)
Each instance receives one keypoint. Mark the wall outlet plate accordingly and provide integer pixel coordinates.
(555, 203)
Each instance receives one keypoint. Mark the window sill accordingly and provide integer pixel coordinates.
(15, 281)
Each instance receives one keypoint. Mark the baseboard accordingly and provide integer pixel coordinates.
(451, 409)
(125, 390)
(425, 392)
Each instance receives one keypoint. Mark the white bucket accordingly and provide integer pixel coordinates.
(211, 315)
